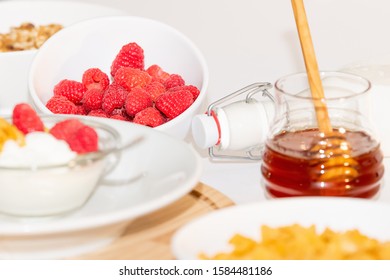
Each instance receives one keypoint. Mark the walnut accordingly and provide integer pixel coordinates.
(27, 36)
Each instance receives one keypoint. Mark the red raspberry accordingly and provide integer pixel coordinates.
(130, 55)
(61, 105)
(118, 117)
(137, 100)
(80, 110)
(93, 99)
(129, 78)
(120, 112)
(63, 130)
(114, 97)
(98, 113)
(26, 119)
(84, 140)
(80, 137)
(155, 89)
(157, 72)
(72, 90)
(172, 104)
(174, 80)
(193, 89)
(150, 117)
(95, 78)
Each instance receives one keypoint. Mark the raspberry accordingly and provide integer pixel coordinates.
(155, 89)
(137, 100)
(63, 130)
(80, 110)
(172, 104)
(150, 117)
(174, 80)
(120, 113)
(72, 90)
(118, 117)
(93, 99)
(157, 72)
(84, 140)
(26, 119)
(129, 78)
(95, 78)
(80, 137)
(130, 55)
(61, 105)
(193, 89)
(98, 113)
(114, 97)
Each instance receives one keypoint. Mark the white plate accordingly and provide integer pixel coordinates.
(166, 169)
(14, 66)
(210, 234)
(13, 13)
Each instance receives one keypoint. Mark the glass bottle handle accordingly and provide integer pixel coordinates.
(252, 153)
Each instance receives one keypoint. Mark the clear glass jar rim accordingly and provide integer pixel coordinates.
(329, 74)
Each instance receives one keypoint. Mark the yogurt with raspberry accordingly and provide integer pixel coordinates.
(40, 149)
(36, 180)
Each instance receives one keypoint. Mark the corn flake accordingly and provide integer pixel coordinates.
(296, 242)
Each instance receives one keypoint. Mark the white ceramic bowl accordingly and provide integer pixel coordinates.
(210, 234)
(32, 191)
(14, 66)
(95, 43)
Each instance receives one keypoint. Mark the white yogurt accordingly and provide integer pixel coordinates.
(35, 191)
(41, 149)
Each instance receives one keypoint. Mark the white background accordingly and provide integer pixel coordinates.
(248, 41)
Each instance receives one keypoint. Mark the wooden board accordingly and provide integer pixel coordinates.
(149, 236)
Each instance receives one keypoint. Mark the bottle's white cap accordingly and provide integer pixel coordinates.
(204, 131)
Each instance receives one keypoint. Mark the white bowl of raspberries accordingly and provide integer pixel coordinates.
(126, 68)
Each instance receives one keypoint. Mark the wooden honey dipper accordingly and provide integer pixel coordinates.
(336, 162)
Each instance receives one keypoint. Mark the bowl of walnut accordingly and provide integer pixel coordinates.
(24, 28)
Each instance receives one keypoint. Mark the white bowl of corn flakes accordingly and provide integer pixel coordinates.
(24, 27)
(289, 229)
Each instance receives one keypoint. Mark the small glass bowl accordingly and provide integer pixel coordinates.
(51, 190)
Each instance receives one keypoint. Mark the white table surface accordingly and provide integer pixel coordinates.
(249, 41)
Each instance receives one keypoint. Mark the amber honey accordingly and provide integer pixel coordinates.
(289, 169)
